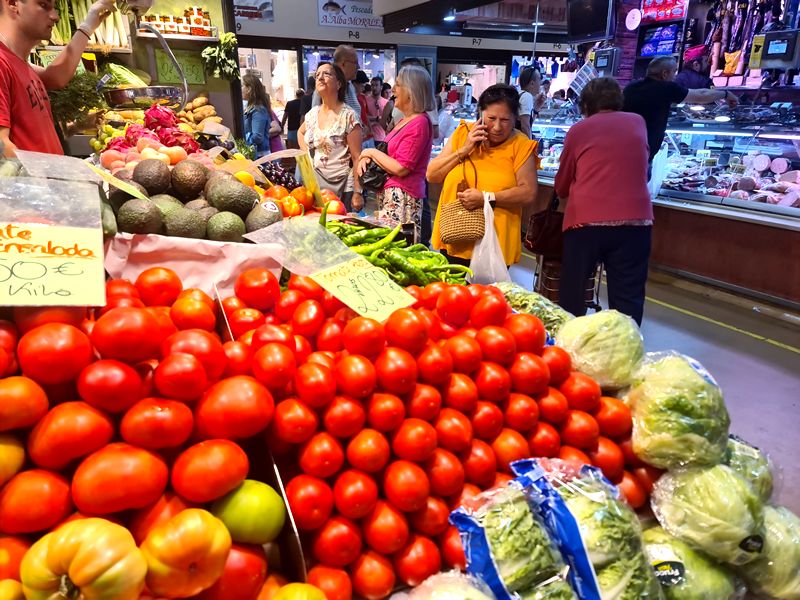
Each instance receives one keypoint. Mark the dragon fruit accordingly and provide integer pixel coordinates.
(172, 136)
(158, 116)
(134, 132)
(120, 144)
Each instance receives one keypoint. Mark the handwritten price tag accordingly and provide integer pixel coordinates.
(47, 265)
(366, 289)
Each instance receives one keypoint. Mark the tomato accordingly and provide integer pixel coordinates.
(243, 320)
(69, 431)
(424, 402)
(302, 349)
(631, 460)
(406, 329)
(608, 457)
(337, 543)
(632, 490)
(180, 376)
(306, 286)
(487, 420)
(385, 412)
(480, 464)
(453, 430)
(243, 576)
(553, 406)
(493, 382)
(432, 519)
(559, 363)
(315, 384)
(325, 359)
(33, 501)
(364, 336)
(508, 447)
(198, 294)
(329, 337)
(287, 303)
(237, 407)
(344, 417)
(231, 304)
(12, 456)
(209, 470)
(165, 326)
(647, 476)
(355, 494)
(521, 413)
(258, 288)
(292, 591)
(454, 304)
(580, 430)
(406, 485)
(274, 365)
(470, 491)
(190, 313)
(373, 576)
(414, 440)
(239, 361)
(355, 376)
(544, 441)
(253, 512)
(452, 550)
(12, 549)
(267, 334)
(321, 456)
(396, 371)
(31, 317)
(434, 365)
(529, 374)
(161, 511)
(385, 528)
(430, 294)
(121, 287)
(118, 477)
(54, 353)
(581, 392)
(333, 305)
(158, 286)
(9, 336)
(294, 422)
(203, 345)
(125, 302)
(466, 353)
(310, 500)
(110, 385)
(574, 455)
(501, 480)
(22, 403)
(613, 417)
(445, 472)
(308, 318)
(417, 561)
(489, 310)
(368, 451)
(461, 393)
(334, 583)
(497, 345)
(528, 332)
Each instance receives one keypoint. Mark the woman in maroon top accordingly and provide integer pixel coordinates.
(609, 216)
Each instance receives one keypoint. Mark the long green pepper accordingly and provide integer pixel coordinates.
(367, 249)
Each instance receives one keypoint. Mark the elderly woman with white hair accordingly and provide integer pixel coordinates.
(408, 150)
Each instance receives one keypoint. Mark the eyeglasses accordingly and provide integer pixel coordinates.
(324, 75)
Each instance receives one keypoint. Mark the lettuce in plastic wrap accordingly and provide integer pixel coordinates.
(453, 585)
(776, 572)
(606, 346)
(712, 509)
(686, 574)
(679, 416)
(628, 579)
(750, 463)
(525, 301)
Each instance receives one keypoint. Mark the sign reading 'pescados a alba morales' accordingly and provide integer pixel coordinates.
(355, 14)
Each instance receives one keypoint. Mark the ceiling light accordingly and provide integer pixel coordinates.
(450, 16)
(315, 52)
(722, 119)
(697, 108)
(538, 24)
(376, 55)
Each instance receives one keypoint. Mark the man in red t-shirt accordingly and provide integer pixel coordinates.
(26, 122)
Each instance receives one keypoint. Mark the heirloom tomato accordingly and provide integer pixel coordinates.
(254, 513)
(209, 470)
(243, 576)
(234, 408)
(12, 457)
(33, 501)
(22, 403)
(12, 549)
(156, 423)
(161, 511)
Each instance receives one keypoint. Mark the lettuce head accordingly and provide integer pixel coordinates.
(629, 579)
(776, 572)
(606, 346)
(750, 463)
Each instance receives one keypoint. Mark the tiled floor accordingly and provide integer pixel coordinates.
(755, 359)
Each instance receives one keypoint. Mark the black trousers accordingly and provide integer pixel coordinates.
(426, 227)
(624, 252)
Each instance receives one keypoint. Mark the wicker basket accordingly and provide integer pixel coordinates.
(457, 225)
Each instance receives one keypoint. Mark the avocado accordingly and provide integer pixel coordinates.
(207, 212)
(216, 176)
(262, 215)
(183, 222)
(124, 174)
(188, 179)
(139, 216)
(232, 196)
(226, 227)
(197, 204)
(109, 221)
(166, 203)
(153, 175)
(116, 197)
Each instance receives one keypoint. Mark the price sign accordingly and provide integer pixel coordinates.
(366, 289)
(191, 63)
(49, 265)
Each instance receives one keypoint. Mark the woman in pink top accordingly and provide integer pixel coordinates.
(603, 177)
(408, 152)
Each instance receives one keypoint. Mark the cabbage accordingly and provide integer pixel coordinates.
(685, 574)
(679, 416)
(606, 346)
(628, 579)
(712, 509)
(751, 464)
(776, 572)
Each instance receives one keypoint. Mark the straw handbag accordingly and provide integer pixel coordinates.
(458, 225)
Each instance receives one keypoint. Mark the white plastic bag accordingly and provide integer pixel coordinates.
(658, 172)
(488, 264)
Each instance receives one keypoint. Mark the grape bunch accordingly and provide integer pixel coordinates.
(278, 176)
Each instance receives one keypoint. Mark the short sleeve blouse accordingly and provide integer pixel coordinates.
(331, 152)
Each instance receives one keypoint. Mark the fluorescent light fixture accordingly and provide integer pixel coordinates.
(538, 24)
(315, 52)
(376, 55)
(451, 16)
(779, 136)
(717, 133)
(697, 108)
(722, 119)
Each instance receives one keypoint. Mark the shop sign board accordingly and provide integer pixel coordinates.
(354, 14)
(254, 10)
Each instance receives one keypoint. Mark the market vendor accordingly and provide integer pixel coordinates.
(26, 122)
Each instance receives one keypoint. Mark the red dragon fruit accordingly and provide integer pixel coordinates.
(158, 116)
(172, 136)
(121, 144)
(134, 132)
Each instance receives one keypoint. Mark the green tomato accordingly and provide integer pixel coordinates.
(299, 591)
(253, 513)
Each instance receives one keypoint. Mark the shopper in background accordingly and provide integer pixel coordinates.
(530, 80)
(291, 117)
(375, 105)
(609, 215)
(332, 132)
(275, 131)
(305, 101)
(257, 115)
(504, 162)
(346, 58)
(360, 83)
(408, 152)
(26, 122)
(692, 77)
(386, 91)
(452, 94)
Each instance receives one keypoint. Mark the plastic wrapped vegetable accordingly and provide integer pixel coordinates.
(508, 547)
(684, 573)
(679, 416)
(750, 463)
(525, 301)
(453, 585)
(776, 572)
(607, 346)
(712, 509)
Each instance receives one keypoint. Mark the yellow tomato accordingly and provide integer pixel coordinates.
(11, 590)
(94, 557)
(12, 455)
(299, 591)
(186, 554)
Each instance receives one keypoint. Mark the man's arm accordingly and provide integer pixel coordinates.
(525, 124)
(702, 96)
(9, 149)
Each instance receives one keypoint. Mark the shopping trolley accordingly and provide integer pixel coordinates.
(547, 278)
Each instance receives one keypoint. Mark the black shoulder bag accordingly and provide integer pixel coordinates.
(375, 176)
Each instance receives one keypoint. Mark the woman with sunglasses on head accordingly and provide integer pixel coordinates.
(332, 132)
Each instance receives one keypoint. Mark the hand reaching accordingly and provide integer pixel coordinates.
(97, 14)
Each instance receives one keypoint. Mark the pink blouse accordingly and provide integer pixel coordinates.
(411, 147)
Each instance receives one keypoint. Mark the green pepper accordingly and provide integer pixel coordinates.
(400, 278)
(366, 236)
(399, 262)
(418, 248)
(366, 249)
(323, 217)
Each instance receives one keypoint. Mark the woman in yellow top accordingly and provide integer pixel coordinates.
(505, 163)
